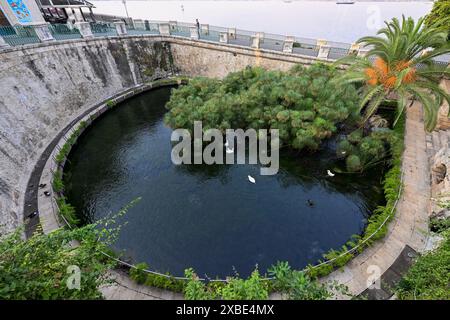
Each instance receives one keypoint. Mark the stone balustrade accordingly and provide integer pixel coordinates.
(322, 49)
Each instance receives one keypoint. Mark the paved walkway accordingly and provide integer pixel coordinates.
(124, 288)
(410, 224)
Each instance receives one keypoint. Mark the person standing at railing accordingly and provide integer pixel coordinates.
(198, 27)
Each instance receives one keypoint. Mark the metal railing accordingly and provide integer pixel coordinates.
(103, 29)
(22, 35)
(19, 35)
(64, 32)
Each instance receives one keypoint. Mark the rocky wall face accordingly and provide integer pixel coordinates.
(46, 86)
(216, 60)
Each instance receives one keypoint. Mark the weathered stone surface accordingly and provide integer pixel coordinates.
(443, 119)
(45, 87)
(217, 60)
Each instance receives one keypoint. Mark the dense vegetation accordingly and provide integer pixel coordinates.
(302, 103)
(139, 274)
(429, 277)
(440, 15)
(45, 266)
(363, 151)
(40, 267)
(66, 210)
(400, 64)
(291, 284)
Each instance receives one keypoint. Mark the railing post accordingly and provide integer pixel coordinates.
(223, 37)
(362, 52)
(147, 25)
(324, 49)
(121, 29)
(288, 44)
(173, 26)
(425, 51)
(164, 29)
(43, 33)
(85, 29)
(232, 33)
(256, 42)
(205, 29)
(354, 49)
(194, 33)
(3, 43)
(260, 35)
(138, 24)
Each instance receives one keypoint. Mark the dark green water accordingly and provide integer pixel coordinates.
(210, 217)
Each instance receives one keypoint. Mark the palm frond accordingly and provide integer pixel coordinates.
(430, 107)
(369, 95)
(373, 105)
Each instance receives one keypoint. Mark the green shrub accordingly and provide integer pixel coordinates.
(195, 289)
(439, 224)
(67, 211)
(252, 288)
(440, 15)
(363, 152)
(353, 163)
(429, 277)
(355, 137)
(38, 268)
(58, 184)
(303, 103)
(138, 273)
(345, 149)
(168, 283)
(111, 104)
(298, 285)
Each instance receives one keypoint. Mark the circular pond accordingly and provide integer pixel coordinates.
(211, 218)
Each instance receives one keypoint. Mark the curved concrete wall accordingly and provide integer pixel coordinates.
(44, 87)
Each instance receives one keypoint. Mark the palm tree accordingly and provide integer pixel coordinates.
(400, 64)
